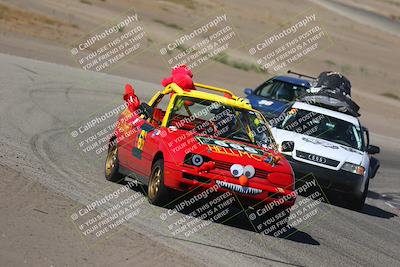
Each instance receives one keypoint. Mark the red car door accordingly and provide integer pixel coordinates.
(126, 132)
(139, 146)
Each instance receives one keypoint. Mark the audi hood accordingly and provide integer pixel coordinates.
(318, 151)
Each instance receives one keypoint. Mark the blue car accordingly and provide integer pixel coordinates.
(273, 96)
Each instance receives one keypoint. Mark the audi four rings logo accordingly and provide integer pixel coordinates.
(317, 158)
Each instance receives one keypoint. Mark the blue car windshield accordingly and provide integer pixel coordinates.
(280, 90)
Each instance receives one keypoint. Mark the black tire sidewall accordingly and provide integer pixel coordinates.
(357, 202)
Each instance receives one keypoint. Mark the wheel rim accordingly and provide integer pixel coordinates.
(155, 181)
(111, 160)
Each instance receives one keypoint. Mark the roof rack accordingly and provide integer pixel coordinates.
(216, 89)
(301, 75)
(173, 87)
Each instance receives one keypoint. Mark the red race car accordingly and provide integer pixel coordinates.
(187, 140)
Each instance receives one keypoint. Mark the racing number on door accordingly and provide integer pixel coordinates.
(137, 151)
(141, 139)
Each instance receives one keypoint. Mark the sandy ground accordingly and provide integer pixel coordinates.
(44, 29)
(37, 231)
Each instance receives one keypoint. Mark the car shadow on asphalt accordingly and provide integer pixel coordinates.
(237, 218)
(377, 212)
(235, 251)
(368, 209)
(391, 198)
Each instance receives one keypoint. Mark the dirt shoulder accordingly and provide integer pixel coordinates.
(36, 231)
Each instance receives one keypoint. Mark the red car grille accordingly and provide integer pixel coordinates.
(227, 167)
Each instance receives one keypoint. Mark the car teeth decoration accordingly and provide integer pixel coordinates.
(238, 188)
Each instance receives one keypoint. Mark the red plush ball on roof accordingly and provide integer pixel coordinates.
(182, 76)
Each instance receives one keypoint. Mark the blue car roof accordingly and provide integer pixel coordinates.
(293, 80)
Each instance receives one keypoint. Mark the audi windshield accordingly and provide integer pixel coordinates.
(322, 126)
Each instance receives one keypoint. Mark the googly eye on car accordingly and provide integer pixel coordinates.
(197, 160)
(249, 171)
(236, 170)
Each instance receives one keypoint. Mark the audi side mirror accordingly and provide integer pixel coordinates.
(373, 149)
(287, 146)
(248, 91)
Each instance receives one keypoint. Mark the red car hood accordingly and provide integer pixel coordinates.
(226, 150)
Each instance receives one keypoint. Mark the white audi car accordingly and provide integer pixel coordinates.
(331, 145)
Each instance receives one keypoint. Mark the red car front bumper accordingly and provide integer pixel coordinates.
(184, 178)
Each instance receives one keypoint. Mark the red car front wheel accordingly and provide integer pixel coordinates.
(157, 193)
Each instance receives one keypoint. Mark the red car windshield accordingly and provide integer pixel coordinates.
(216, 119)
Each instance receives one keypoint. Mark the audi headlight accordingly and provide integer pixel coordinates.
(197, 160)
(350, 167)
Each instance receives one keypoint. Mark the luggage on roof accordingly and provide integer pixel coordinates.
(334, 80)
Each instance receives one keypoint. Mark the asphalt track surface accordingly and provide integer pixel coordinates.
(39, 103)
